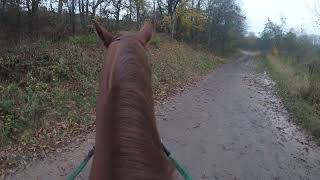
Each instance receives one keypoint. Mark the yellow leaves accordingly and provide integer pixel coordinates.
(191, 17)
(166, 22)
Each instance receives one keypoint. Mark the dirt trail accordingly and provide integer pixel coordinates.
(231, 126)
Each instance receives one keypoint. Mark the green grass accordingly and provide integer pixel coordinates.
(293, 84)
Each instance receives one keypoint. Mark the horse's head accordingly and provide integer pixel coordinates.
(111, 42)
(128, 144)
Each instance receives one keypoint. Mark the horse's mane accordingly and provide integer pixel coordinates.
(136, 140)
(136, 151)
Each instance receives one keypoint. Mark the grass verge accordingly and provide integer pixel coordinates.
(294, 85)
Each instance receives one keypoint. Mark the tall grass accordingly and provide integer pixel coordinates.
(294, 84)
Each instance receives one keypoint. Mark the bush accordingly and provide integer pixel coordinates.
(156, 42)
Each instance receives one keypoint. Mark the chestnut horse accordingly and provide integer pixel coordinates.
(128, 145)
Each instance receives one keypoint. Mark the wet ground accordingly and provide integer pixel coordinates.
(232, 125)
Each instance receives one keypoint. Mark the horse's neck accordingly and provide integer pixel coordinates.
(127, 141)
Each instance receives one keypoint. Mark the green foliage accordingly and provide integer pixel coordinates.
(271, 36)
(301, 48)
(190, 18)
(226, 25)
(156, 42)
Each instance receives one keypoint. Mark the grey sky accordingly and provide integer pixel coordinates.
(299, 14)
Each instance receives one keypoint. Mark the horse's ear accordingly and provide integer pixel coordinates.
(104, 35)
(145, 32)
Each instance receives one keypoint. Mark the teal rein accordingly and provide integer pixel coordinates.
(81, 166)
(184, 173)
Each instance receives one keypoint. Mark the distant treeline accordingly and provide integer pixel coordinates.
(303, 48)
(217, 25)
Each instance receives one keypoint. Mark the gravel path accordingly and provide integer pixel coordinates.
(231, 126)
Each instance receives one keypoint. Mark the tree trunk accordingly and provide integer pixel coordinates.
(81, 12)
(199, 5)
(3, 8)
(196, 33)
(79, 7)
(95, 6)
(117, 5)
(18, 25)
(72, 16)
(93, 9)
(192, 29)
(138, 16)
(51, 8)
(160, 8)
(60, 5)
(154, 16)
(117, 18)
(34, 18)
(130, 10)
(83, 20)
(172, 25)
(87, 9)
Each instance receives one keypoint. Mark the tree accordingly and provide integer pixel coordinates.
(216, 24)
(32, 7)
(138, 4)
(317, 11)
(189, 20)
(60, 5)
(225, 26)
(249, 42)
(95, 5)
(71, 8)
(117, 6)
(272, 35)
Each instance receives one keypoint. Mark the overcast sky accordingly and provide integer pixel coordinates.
(299, 14)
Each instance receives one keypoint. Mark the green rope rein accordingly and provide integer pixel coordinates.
(184, 173)
(83, 164)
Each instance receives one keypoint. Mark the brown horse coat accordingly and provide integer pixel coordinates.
(128, 145)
